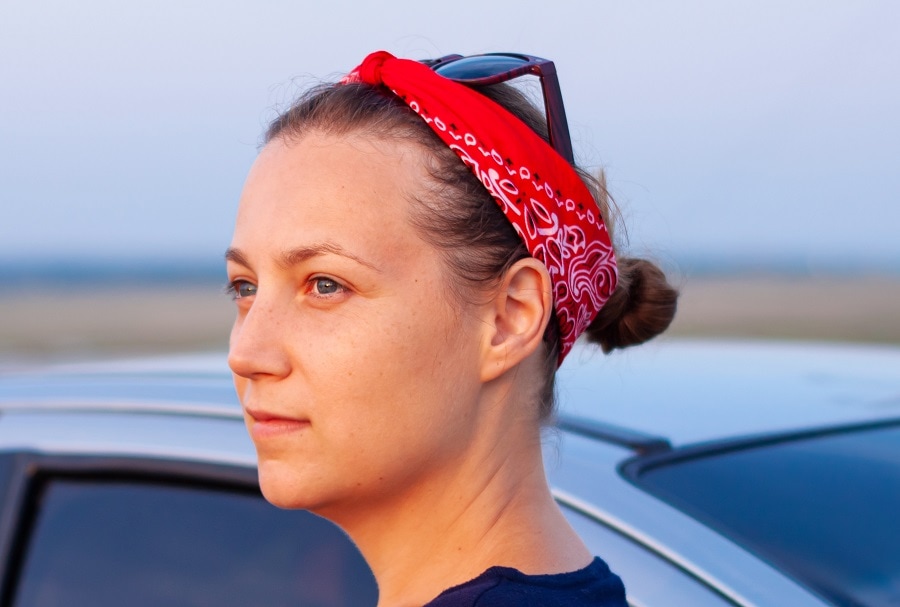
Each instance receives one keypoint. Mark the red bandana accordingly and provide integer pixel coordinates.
(541, 195)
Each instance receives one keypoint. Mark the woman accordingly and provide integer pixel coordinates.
(401, 314)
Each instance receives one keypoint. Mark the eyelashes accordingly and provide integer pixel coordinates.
(239, 289)
(322, 287)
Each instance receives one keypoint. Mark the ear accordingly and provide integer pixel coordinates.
(520, 311)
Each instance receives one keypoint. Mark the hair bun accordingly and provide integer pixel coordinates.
(642, 306)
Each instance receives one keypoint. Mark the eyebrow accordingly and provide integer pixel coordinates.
(297, 255)
(236, 255)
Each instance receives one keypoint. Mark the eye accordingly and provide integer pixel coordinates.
(239, 289)
(326, 286)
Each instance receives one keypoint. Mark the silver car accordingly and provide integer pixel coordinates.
(705, 473)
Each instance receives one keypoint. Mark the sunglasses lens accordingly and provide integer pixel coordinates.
(480, 66)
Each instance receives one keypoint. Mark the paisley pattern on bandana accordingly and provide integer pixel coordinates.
(540, 194)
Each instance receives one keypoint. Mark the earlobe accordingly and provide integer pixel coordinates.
(520, 310)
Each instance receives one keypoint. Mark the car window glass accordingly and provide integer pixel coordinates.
(109, 544)
(824, 509)
(6, 467)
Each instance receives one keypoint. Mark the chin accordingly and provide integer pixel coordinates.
(284, 487)
(290, 488)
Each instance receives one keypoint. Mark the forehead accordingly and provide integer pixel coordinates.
(350, 189)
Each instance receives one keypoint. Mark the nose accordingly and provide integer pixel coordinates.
(256, 349)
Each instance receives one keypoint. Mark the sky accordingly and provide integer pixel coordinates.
(761, 130)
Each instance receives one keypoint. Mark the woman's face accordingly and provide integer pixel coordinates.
(357, 373)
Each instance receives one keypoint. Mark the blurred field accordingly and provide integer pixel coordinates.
(107, 321)
(861, 309)
(52, 323)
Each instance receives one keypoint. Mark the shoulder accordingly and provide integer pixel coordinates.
(593, 586)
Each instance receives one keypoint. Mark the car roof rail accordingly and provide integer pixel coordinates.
(641, 443)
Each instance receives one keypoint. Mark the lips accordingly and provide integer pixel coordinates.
(265, 425)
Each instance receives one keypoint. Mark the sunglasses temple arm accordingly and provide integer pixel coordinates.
(558, 126)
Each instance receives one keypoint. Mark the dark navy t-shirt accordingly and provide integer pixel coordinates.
(593, 586)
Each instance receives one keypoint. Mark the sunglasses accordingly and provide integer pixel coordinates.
(494, 68)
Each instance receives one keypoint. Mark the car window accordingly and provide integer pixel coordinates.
(100, 543)
(6, 468)
(823, 508)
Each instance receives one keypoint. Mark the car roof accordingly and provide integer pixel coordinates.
(675, 390)
(691, 391)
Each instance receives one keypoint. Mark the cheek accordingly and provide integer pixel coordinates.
(379, 368)
(393, 349)
(392, 382)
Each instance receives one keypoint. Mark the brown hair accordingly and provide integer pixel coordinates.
(459, 216)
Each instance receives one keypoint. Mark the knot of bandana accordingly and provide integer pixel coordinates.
(369, 70)
(540, 194)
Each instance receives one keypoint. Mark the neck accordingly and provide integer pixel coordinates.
(492, 507)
